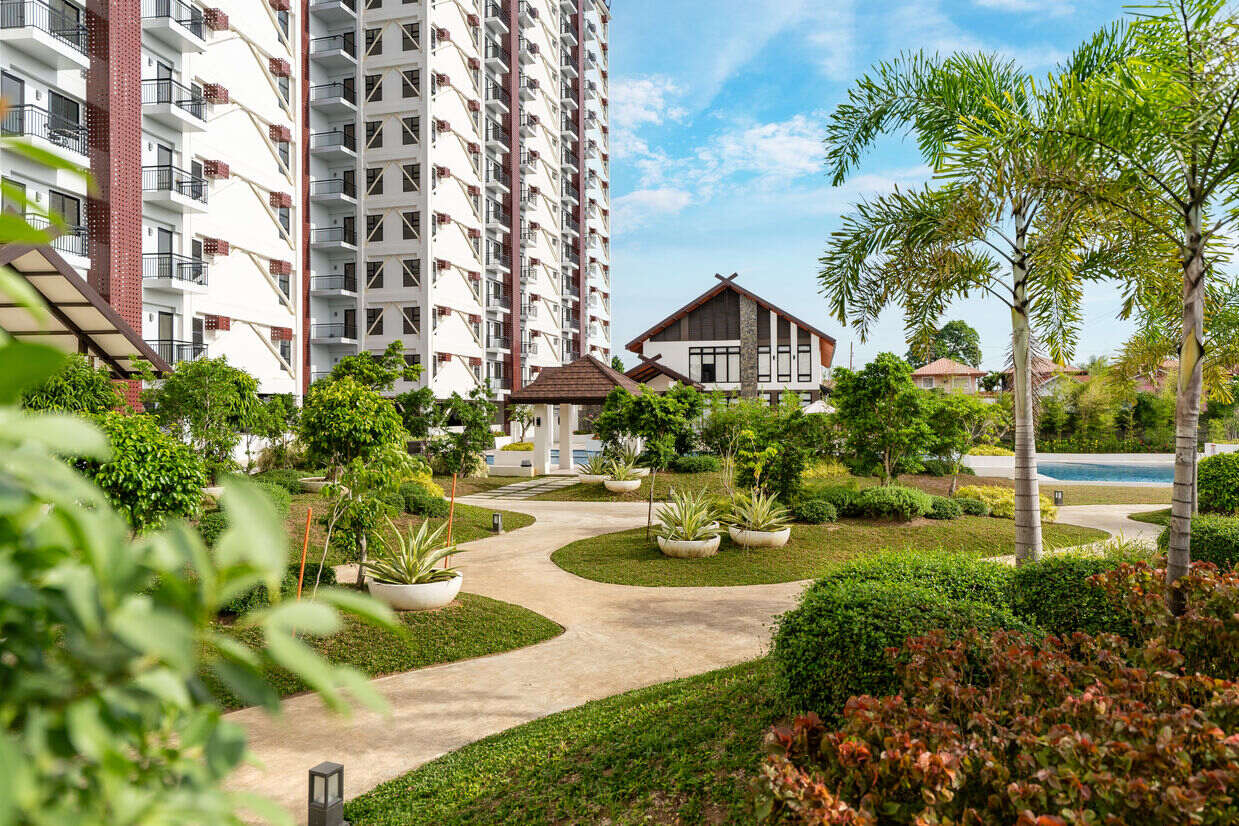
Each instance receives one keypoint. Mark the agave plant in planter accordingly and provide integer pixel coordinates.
(622, 478)
(630, 454)
(688, 526)
(758, 521)
(593, 470)
(405, 576)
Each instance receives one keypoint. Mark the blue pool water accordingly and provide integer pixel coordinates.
(1106, 472)
(578, 456)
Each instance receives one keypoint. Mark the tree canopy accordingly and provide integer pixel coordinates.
(955, 340)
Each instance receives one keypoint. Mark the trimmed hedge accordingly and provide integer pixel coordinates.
(953, 576)
(892, 501)
(972, 507)
(1056, 595)
(287, 478)
(814, 511)
(840, 496)
(518, 447)
(1217, 481)
(695, 464)
(419, 501)
(1001, 501)
(211, 526)
(833, 645)
(1214, 539)
(940, 507)
(257, 597)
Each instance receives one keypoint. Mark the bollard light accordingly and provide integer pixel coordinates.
(496, 522)
(327, 795)
(1058, 497)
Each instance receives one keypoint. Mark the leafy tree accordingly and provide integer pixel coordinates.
(378, 372)
(77, 387)
(773, 453)
(613, 425)
(617, 363)
(206, 403)
(957, 422)
(985, 225)
(420, 411)
(664, 422)
(277, 423)
(343, 420)
(522, 416)
(883, 416)
(992, 381)
(463, 452)
(955, 340)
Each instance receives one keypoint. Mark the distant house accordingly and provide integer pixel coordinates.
(1046, 374)
(730, 339)
(951, 376)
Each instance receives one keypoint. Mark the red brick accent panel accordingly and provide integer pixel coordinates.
(474, 20)
(280, 5)
(280, 67)
(475, 106)
(217, 322)
(443, 34)
(442, 125)
(215, 93)
(281, 334)
(280, 134)
(280, 267)
(281, 200)
(216, 20)
(474, 63)
(217, 170)
(216, 246)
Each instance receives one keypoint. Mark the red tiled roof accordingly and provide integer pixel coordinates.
(947, 367)
(585, 381)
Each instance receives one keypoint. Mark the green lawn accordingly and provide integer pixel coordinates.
(472, 626)
(1157, 517)
(466, 485)
(626, 558)
(676, 753)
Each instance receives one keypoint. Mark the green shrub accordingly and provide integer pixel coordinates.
(940, 507)
(1001, 501)
(814, 511)
(279, 496)
(953, 576)
(841, 496)
(972, 507)
(1217, 480)
(892, 501)
(287, 478)
(833, 645)
(422, 502)
(695, 464)
(257, 597)
(940, 467)
(211, 526)
(394, 500)
(991, 450)
(1214, 539)
(1056, 595)
(518, 447)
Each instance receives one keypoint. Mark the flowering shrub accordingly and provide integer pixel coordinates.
(1007, 729)
(990, 450)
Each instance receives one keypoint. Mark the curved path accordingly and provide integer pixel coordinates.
(617, 638)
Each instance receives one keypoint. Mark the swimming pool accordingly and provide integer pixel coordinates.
(578, 455)
(1107, 472)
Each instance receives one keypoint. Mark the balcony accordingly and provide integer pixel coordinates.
(49, 35)
(338, 193)
(334, 11)
(497, 179)
(497, 98)
(176, 23)
(571, 226)
(571, 193)
(335, 146)
(174, 104)
(498, 59)
(497, 137)
(72, 240)
(174, 188)
(529, 348)
(567, 65)
(499, 260)
(50, 132)
(336, 52)
(497, 18)
(336, 98)
(342, 333)
(569, 32)
(333, 286)
(167, 270)
(527, 15)
(499, 343)
(571, 162)
(529, 88)
(334, 239)
(174, 350)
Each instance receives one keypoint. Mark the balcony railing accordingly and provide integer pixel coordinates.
(501, 342)
(67, 28)
(38, 123)
(164, 178)
(323, 91)
(333, 186)
(167, 90)
(176, 267)
(496, 10)
(571, 159)
(496, 92)
(336, 137)
(495, 173)
(571, 289)
(187, 15)
(495, 132)
(173, 350)
(494, 50)
(496, 214)
(571, 191)
(330, 235)
(571, 224)
(341, 330)
(334, 42)
(72, 239)
(347, 283)
(501, 258)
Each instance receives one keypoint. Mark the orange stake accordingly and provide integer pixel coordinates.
(451, 512)
(305, 543)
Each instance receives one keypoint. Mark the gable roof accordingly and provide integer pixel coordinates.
(585, 381)
(650, 367)
(947, 367)
(80, 320)
(729, 283)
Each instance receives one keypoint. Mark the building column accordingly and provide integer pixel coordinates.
(567, 424)
(542, 430)
(748, 347)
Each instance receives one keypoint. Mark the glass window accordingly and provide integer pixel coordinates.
(411, 131)
(374, 275)
(412, 222)
(373, 41)
(374, 180)
(763, 363)
(374, 134)
(412, 319)
(710, 365)
(412, 80)
(374, 228)
(804, 363)
(374, 85)
(412, 35)
(412, 177)
(412, 272)
(374, 321)
(785, 363)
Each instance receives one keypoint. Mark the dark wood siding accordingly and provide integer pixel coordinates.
(716, 320)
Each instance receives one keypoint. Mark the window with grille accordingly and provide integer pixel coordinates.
(374, 321)
(804, 363)
(412, 222)
(374, 228)
(285, 214)
(763, 363)
(374, 134)
(714, 364)
(374, 180)
(412, 80)
(412, 130)
(374, 43)
(412, 36)
(286, 87)
(374, 275)
(374, 87)
(412, 177)
(286, 351)
(412, 317)
(412, 272)
(784, 365)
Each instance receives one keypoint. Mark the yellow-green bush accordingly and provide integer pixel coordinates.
(990, 450)
(424, 479)
(1001, 501)
(825, 470)
(518, 446)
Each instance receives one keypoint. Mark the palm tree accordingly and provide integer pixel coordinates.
(983, 226)
(1155, 139)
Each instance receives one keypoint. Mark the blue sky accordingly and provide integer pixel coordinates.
(717, 113)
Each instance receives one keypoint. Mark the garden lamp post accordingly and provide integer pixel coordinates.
(327, 795)
(496, 522)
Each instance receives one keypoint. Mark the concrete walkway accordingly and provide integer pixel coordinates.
(527, 489)
(617, 638)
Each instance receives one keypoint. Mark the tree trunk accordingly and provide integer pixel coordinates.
(954, 482)
(1027, 493)
(1187, 412)
(361, 563)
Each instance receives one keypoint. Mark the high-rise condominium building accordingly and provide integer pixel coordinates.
(285, 182)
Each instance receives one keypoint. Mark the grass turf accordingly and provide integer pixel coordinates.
(1157, 517)
(674, 753)
(467, 485)
(472, 626)
(626, 558)
(468, 524)
(939, 485)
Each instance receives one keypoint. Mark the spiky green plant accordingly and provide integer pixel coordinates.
(619, 471)
(595, 465)
(688, 517)
(757, 511)
(412, 561)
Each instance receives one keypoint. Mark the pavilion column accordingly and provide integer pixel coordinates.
(567, 424)
(542, 436)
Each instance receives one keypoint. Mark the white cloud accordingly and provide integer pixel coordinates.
(777, 151)
(636, 101)
(638, 208)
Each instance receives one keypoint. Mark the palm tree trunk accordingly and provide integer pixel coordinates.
(1187, 412)
(1027, 493)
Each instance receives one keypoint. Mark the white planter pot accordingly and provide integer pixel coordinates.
(624, 486)
(689, 548)
(641, 471)
(422, 597)
(313, 484)
(591, 478)
(759, 539)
